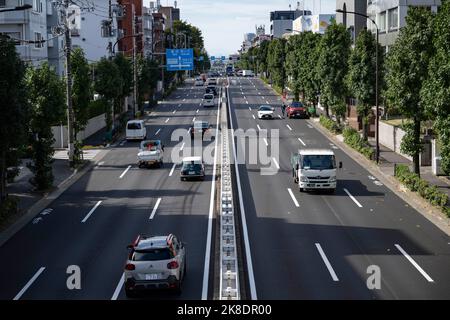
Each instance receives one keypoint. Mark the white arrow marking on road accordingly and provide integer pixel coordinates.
(155, 208)
(173, 169)
(46, 212)
(37, 220)
(293, 197)
(119, 287)
(353, 198)
(414, 263)
(167, 120)
(125, 172)
(309, 126)
(276, 163)
(327, 263)
(159, 130)
(91, 212)
(29, 283)
(301, 141)
(289, 127)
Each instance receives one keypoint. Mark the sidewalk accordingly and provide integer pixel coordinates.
(388, 158)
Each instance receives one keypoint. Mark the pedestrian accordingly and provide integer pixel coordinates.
(283, 109)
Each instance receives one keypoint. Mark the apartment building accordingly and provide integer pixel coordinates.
(283, 20)
(352, 22)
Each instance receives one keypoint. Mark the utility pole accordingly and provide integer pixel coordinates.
(110, 53)
(68, 49)
(134, 61)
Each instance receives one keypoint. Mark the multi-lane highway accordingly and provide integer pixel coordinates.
(97, 217)
(320, 246)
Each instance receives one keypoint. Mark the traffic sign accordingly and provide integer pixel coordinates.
(180, 59)
(213, 58)
(223, 58)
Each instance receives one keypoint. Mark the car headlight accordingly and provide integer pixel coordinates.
(333, 179)
(303, 179)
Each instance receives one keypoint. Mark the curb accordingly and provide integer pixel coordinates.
(43, 203)
(433, 214)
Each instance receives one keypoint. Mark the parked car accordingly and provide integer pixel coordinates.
(192, 168)
(136, 130)
(212, 89)
(248, 73)
(151, 152)
(156, 262)
(297, 109)
(265, 112)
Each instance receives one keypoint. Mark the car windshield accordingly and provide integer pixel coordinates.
(134, 126)
(318, 162)
(152, 255)
(209, 97)
(191, 166)
(265, 108)
(297, 105)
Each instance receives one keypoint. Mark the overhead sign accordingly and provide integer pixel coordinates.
(180, 59)
(213, 58)
(223, 58)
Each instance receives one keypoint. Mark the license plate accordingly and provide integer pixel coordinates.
(312, 185)
(191, 172)
(151, 276)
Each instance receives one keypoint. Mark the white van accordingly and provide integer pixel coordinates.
(208, 100)
(136, 130)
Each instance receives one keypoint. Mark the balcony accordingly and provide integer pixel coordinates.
(15, 17)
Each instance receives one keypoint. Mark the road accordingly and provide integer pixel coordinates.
(319, 246)
(92, 222)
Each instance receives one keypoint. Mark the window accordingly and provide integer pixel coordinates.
(37, 6)
(152, 255)
(382, 21)
(2, 3)
(38, 37)
(134, 126)
(393, 19)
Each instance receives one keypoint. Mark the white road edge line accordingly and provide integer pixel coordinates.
(289, 127)
(159, 130)
(119, 287)
(248, 255)
(167, 120)
(327, 263)
(353, 198)
(155, 208)
(92, 211)
(211, 213)
(414, 263)
(173, 169)
(124, 172)
(29, 283)
(301, 141)
(276, 163)
(293, 197)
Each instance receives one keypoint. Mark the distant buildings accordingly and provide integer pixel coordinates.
(353, 23)
(281, 21)
(315, 23)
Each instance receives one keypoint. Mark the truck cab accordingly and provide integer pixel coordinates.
(315, 169)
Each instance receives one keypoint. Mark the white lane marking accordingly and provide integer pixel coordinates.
(100, 164)
(301, 141)
(248, 254)
(267, 102)
(259, 128)
(155, 208)
(414, 263)
(182, 147)
(124, 172)
(263, 98)
(378, 183)
(159, 130)
(246, 102)
(119, 287)
(309, 126)
(245, 97)
(29, 283)
(327, 263)
(174, 111)
(173, 169)
(253, 117)
(92, 211)
(353, 198)
(276, 163)
(279, 116)
(184, 100)
(211, 213)
(249, 108)
(265, 141)
(122, 143)
(197, 110)
(193, 120)
(179, 105)
(167, 120)
(293, 197)
(289, 127)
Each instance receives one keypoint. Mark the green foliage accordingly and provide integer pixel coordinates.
(8, 207)
(410, 144)
(413, 182)
(125, 67)
(407, 71)
(354, 140)
(48, 106)
(329, 124)
(436, 91)
(332, 68)
(275, 61)
(308, 55)
(13, 109)
(148, 76)
(97, 108)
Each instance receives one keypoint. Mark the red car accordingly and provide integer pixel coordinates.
(297, 109)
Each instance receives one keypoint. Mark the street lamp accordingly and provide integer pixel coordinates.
(377, 153)
(130, 36)
(18, 8)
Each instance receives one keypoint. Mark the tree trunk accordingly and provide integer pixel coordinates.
(2, 177)
(416, 158)
(365, 127)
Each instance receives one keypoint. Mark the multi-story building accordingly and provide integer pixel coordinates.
(132, 18)
(316, 23)
(147, 30)
(55, 42)
(390, 16)
(28, 25)
(159, 44)
(281, 21)
(247, 43)
(352, 22)
(171, 14)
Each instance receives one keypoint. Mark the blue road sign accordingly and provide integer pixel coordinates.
(223, 58)
(213, 58)
(180, 59)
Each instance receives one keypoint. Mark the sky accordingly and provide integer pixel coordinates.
(224, 22)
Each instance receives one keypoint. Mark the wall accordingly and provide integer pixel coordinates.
(94, 124)
(391, 137)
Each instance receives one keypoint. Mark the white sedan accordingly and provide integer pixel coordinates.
(265, 112)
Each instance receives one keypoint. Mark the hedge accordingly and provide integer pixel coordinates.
(354, 140)
(96, 108)
(329, 124)
(8, 207)
(414, 183)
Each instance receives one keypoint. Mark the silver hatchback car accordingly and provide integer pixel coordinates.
(156, 262)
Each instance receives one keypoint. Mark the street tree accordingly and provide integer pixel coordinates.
(360, 79)
(125, 67)
(148, 76)
(292, 65)
(333, 67)
(108, 83)
(46, 94)
(436, 91)
(275, 61)
(13, 112)
(407, 72)
(81, 96)
(308, 55)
